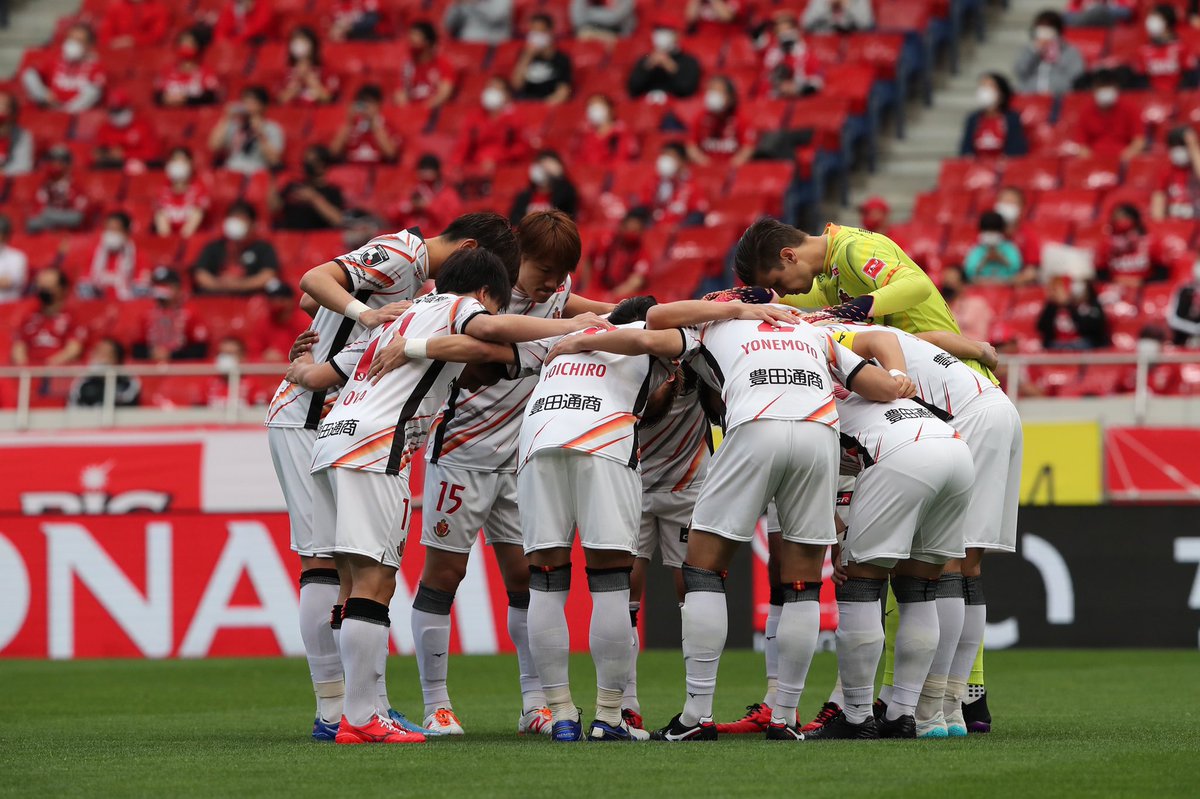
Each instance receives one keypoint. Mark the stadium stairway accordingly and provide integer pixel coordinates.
(910, 165)
(31, 24)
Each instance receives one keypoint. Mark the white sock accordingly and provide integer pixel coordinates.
(630, 697)
(799, 628)
(859, 642)
(431, 645)
(951, 611)
(933, 694)
(532, 695)
(364, 636)
(956, 688)
(382, 702)
(836, 696)
(705, 625)
(608, 639)
(916, 643)
(974, 620)
(317, 595)
(550, 640)
(885, 694)
(771, 652)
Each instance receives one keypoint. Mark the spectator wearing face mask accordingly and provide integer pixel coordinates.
(719, 132)
(1183, 311)
(542, 72)
(74, 82)
(283, 321)
(365, 137)
(310, 202)
(245, 21)
(307, 81)
(187, 82)
(172, 330)
(59, 202)
(431, 204)
(671, 196)
(605, 140)
(873, 215)
(355, 20)
(667, 70)
(618, 265)
(1010, 204)
(1165, 62)
(1099, 13)
(1109, 125)
(14, 266)
(1178, 193)
(1124, 257)
(134, 23)
(126, 140)
(1048, 64)
(237, 262)
(49, 335)
(117, 271)
(549, 189)
(244, 136)
(491, 134)
(1072, 318)
(184, 200)
(838, 16)
(16, 143)
(427, 77)
(716, 17)
(994, 128)
(231, 355)
(603, 20)
(994, 259)
(483, 21)
(789, 68)
(89, 391)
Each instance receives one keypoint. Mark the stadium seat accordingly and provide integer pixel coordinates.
(958, 174)
(1033, 173)
(1144, 171)
(1076, 205)
(944, 207)
(1095, 173)
(1092, 43)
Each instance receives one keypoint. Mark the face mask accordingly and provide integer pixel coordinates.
(537, 174)
(300, 48)
(1010, 211)
(1044, 33)
(492, 98)
(1179, 156)
(663, 40)
(73, 49)
(122, 118)
(631, 238)
(1122, 225)
(538, 40)
(226, 362)
(597, 114)
(986, 96)
(666, 166)
(990, 238)
(46, 297)
(178, 170)
(714, 101)
(186, 52)
(1106, 96)
(235, 228)
(112, 240)
(1156, 26)
(788, 37)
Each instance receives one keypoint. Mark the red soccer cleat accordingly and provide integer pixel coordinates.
(633, 719)
(757, 719)
(377, 731)
(824, 715)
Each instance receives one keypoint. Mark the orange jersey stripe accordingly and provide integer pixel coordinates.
(381, 440)
(693, 467)
(620, 421)
(463, 437)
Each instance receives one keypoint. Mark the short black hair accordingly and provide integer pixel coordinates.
(429, 161)
(469, 271)
(632, 309)
(426, 29)
(1135, 215)
(369, 93)
(493, 233)
(1167, 12)
(759, 247)
(259, 93)
(1106, 77)
(991, 222)
(115, 343)
(677, 148)
(243, 208)
(1003, 88)
(1177, 137)
(122, 217)
(313, 40)
(179, 150)
(1051, 19)
(543, 18)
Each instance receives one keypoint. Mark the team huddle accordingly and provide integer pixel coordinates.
(838, 378)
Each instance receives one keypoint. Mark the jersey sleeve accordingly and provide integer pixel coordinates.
(463, 311)
(894, 286)
(530, 357)
(843, 362)
(383, 262)
(345, 361)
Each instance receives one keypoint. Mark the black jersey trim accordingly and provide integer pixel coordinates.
(341, 338)
(435, 447)
(408, 411)
(854, 373)
(639, 405)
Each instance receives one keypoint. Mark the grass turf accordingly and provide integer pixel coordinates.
(1068, 723)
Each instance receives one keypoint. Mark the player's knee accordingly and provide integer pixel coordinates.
(433, 600)
(602, 580)
(548, 579)
(697, 579)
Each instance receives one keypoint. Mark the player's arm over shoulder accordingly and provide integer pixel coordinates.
(879, 345)
(669, 344)
(313, 376)
(961, 347)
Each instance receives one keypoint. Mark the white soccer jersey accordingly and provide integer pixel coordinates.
(874, 429)
(675, 452)
(388, 268)
(377, 428)
(590, 402)
(479, 430)
(768, 372)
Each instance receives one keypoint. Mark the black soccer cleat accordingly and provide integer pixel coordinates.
(677, 731)
(840, 728)
(977, 715)
(879, 710)
(783, 732)
(903, 727)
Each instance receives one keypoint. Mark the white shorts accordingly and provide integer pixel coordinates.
(292, 454)
(996, 440)
(845, 494)
(362, 513)
(458, 502)
(560, 489)
(793, 463)
(666, 520)
(911, 504)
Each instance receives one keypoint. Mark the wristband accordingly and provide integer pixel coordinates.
(896, 373)
(354, 309)
(416, 349)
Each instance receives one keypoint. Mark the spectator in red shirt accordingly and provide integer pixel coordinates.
(231, 354)
(715, 17)
(667, 70)
(873, 214)
(427, 77)
(275, 332)
(1163, 60)
(1178, 192)
(618, 265)
(994, 129)
(75, 81)
(789, 68)
(1110, 125)
(307, 81)
(550, 188)
(126, 140)
(172, 330)
(365, 137)
(49, 335)
(432, 204)
(244, 21)
(605, 140)
(16, 143)
(355, 20)
(117, 271)
(134, 23)
(671, 196)
(1099, 13)
(491, 134)
(1010, 204)
(720, 132)
(184, 200)
(1124, 256)
(188, 82)
(59, 203)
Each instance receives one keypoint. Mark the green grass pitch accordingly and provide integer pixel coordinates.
(1068, 723)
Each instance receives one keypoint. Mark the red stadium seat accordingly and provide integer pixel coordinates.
(1035, 109)
(764, 182)
(1076, 205)
(961, 238)
(1091, 173)
(881, 50)
(1092, 43)
(853, 81)
(945, 206)
(959, 174)
(1144, 171)
(829, 48)
(904, 15)
(1171, 239)
(1033, 173)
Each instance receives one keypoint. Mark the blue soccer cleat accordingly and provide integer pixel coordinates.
(324, 730)
(603, 731)
(401, 721)
(566, 731)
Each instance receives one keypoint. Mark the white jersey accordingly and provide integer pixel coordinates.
(768, 372)
(871, 430)
(377, 428)
(675, 452)
(590, 402)
(388, 268)
(479, 430)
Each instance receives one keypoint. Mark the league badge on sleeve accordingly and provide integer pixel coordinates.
(873, 267)
(373, 256)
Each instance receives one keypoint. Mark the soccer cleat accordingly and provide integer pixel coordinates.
(443, 722)
(536, 722)
(879, 710)
(956, 726)
(677, 731)
(324, 730)
(566, 731)
(757, 719)
(903, 727)
(824, 716)
(840, 728)
(401, 721)
(633, 719)
(934, 728)
(377, 731)
(603, 731)
(977, 715)
(778, 731)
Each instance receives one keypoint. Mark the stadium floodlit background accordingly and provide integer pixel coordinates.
(171, 168)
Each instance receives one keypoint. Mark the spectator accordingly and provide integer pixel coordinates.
(75, 81)
(974, 313)
(994, 128)
(1124, 256)
(491, 133)
(244, 136)
(1010, 204)
(838, 16)
(619, 265)
(542, 72)
(134, 23)
(605, 140)
(310, 202)
(275, 332)
(1110, 125)
(355, 20)
(49, 335)
(667, 69)
(307, 82)
(245, 22)
(188, 82)
(873, 214)
(671, 197)
(1183, 313)
(231, 354)
(720, 132)
(427, 77)
(432, 204)
(1099, 13)
(1165, 62)
(482, 21)
(549, 188)
(14, 266)
(117, 271)
(1072, 318)
(365, 137)
(994, 259)
(1048, 64)
(59, 203)
(184, 200)
(172, 330)
(789, 68)
(715, 17)
(126, 140)
(602, 20)
(1178, 192)
(89, 391)
(237, 262)
(16, 143)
